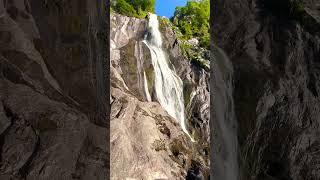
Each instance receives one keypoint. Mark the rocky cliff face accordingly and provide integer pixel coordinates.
(146, 143)
(53, 90)
(276, 88)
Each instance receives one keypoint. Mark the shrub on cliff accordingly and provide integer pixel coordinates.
(193, 21)
(133, 8)
(123, 7)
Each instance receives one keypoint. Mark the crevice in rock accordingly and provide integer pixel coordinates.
(12, 73)
(24, 170)
(195, 171)
(312, 86)
(11, 117)
(89, 155)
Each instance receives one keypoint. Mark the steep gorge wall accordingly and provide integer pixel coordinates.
(276, 89)
(53, 90)
(143, 135)
(130, 58)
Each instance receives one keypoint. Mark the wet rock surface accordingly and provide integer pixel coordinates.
(52, 111)
(130, 58)
(276, 89)
(196, 95)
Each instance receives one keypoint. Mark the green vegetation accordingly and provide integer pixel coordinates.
(194, 54)
(204, 64)
(187, 50)
(193, 21)
(134, 8)
(190, 21)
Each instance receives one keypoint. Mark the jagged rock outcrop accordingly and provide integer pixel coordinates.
(146, 143)
(276, 88)
(53, 90)
(196, 95)
(130, 60)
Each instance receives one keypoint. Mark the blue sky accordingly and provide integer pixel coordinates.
(167, 7)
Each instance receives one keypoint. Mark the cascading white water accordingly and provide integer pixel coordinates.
(146, 87)
(168, 85)
(225, 143)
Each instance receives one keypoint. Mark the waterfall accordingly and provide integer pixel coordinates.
(168, 85)
(225, 143)
(146, 87)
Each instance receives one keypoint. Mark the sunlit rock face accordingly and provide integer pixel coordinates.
(167, 151)
(276, 88)
(52, 90)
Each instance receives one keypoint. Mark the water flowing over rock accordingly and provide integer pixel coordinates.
(276, 87)
(151, 80)
(168, 86)
(225, 142)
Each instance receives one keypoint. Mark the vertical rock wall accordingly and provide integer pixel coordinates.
(276, 92)
(53, 94)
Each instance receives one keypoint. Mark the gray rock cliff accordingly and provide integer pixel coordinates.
(276, 86)
(142, 133)
(52, 90)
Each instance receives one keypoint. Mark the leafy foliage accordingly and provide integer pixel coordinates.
(134, 8)
(195, 55)
(123, 7)
(143, 5)
(193, 20)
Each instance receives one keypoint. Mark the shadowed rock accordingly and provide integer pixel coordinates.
(52, 90)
